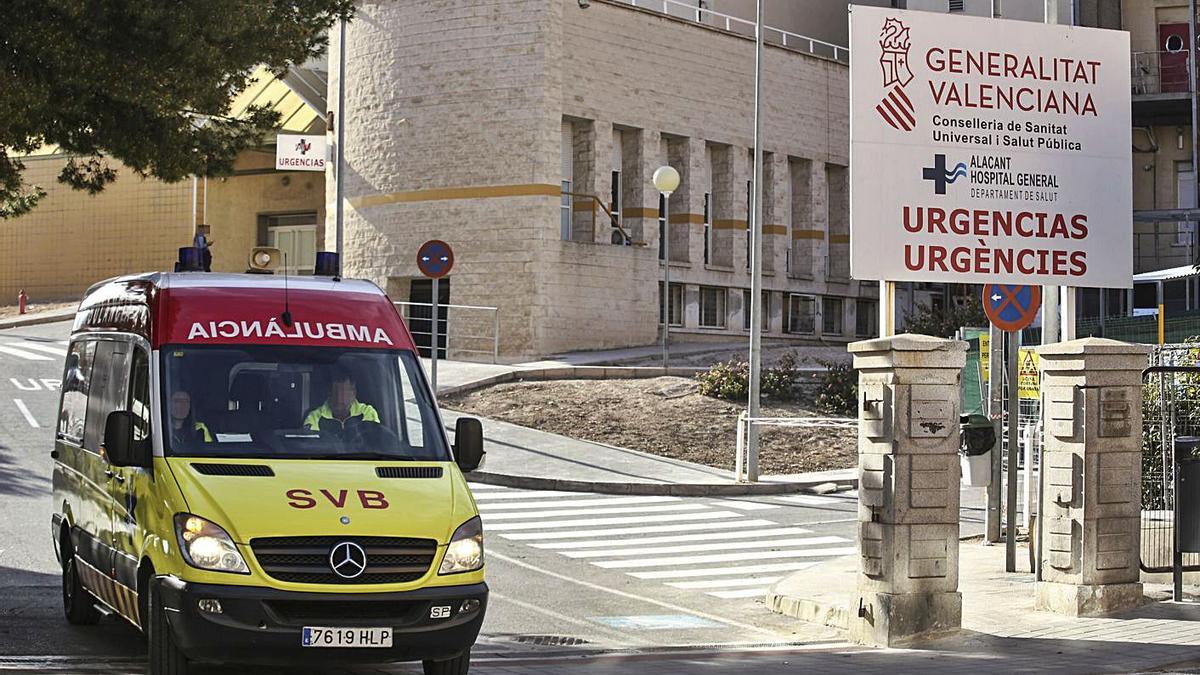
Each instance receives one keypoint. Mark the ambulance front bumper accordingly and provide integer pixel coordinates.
(265, 625)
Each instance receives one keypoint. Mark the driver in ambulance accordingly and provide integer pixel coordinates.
(342, 411)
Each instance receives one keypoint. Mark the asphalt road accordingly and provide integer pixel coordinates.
(579, 582)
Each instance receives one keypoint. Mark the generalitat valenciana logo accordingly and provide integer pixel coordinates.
(896, 109)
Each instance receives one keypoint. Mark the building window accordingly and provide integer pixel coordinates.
(676, 304)
(566, 211)
(831, 316)
(662, 226)
(800, 314)
(749, 219)
(295, 235)
(954, 5)
(614, 204)
(707, 225)
(766, 310)
(712, 307)
(866, 319)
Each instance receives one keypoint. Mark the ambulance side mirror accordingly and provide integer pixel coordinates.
(119, 446)
(468, 443)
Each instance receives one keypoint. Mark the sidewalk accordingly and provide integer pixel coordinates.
(37, 318)
(527, 458)
(1002, 630)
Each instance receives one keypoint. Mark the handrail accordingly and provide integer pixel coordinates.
(840, 53)
(492, 341)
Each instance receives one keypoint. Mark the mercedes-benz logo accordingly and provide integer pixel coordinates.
(348, 560)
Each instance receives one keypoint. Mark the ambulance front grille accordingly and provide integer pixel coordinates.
(390, 560)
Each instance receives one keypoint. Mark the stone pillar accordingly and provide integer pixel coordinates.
(908, 489)
(1091, 481)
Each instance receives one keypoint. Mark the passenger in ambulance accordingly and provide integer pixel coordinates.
(342, 415)
(185, 429)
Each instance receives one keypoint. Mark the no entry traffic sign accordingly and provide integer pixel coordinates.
(435, 259)
(1011, 307)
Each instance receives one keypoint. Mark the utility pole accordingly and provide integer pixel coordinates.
(756, 227)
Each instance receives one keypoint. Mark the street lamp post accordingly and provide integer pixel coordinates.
(666, 181)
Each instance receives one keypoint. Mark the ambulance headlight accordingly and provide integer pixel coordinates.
(206, 546)
(465, 552)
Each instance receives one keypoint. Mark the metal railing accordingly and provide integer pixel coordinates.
(1171, 408)
(745, 468)
(1158, 72)
(467, 332)
(734, 24)
(1168, 244)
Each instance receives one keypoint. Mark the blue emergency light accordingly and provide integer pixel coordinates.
(327, 264)
(191, 259)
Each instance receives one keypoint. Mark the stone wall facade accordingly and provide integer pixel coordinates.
(465, 117)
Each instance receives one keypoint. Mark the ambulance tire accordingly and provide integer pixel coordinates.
(78, 605)
(458, 665)
(165, 657)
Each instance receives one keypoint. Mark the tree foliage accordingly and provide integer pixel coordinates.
(148, 83)
(925, 320)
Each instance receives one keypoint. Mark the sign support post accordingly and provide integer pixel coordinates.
(1012, 365)
(433, 354)
(996, 365)
(435, 259)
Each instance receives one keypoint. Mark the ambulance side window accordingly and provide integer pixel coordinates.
(412, 425)
(110, 376)
(75, 386)
(139, 395)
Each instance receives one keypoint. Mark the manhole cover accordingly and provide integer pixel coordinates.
(550, 640)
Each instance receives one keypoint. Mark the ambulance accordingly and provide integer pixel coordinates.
(251, 468)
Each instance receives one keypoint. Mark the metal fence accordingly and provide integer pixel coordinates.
(465, 332)
(1170, 408)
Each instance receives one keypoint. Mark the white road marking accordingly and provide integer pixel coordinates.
(613, 532)
(812, 500)
(633, 596)
(509, 494)
(708, 546)
(57, 350)
(740, 593)
(734, 571)
(621, 635)
(566, 503)
(624, 520)
(28, 356)
(675, 561)
(724, 583)
(676, 538)
(559, 513)
(744, 506)
(25, 411)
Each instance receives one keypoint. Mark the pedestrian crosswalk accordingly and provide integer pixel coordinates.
(34, 350)
(725, 548)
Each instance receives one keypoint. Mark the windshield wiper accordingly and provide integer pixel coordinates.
(383, 456)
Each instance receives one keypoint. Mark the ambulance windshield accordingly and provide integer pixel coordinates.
(268, 401)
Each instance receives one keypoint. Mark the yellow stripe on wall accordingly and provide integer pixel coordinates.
(808, 234)
(636, 212)
(839, 239)
(690, 218)
(474, 192)
(729, 224)
(774, 229)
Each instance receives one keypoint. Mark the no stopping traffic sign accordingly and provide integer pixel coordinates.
(1011, 307)
(435, 258)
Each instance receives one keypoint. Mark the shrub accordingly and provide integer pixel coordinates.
(943, 323)
(730, 380)
(837, 390)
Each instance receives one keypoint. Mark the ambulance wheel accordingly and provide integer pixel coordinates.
(458, 665)
(165, 657)
(78, 605)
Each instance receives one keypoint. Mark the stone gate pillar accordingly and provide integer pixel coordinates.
(908, 488)
(1090, 519)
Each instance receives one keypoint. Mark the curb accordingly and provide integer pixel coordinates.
(545, 373)
(37, 320)
(646, 489)
(809, 611)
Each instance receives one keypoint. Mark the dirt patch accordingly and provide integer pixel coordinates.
(663, 416)
(12, 311)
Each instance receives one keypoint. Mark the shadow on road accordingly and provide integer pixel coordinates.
(17, 480)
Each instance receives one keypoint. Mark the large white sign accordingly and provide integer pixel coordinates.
(300, 153)
(985, 150)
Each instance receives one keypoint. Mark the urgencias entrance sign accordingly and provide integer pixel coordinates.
(986, 150)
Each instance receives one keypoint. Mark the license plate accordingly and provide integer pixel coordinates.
(346, 637)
